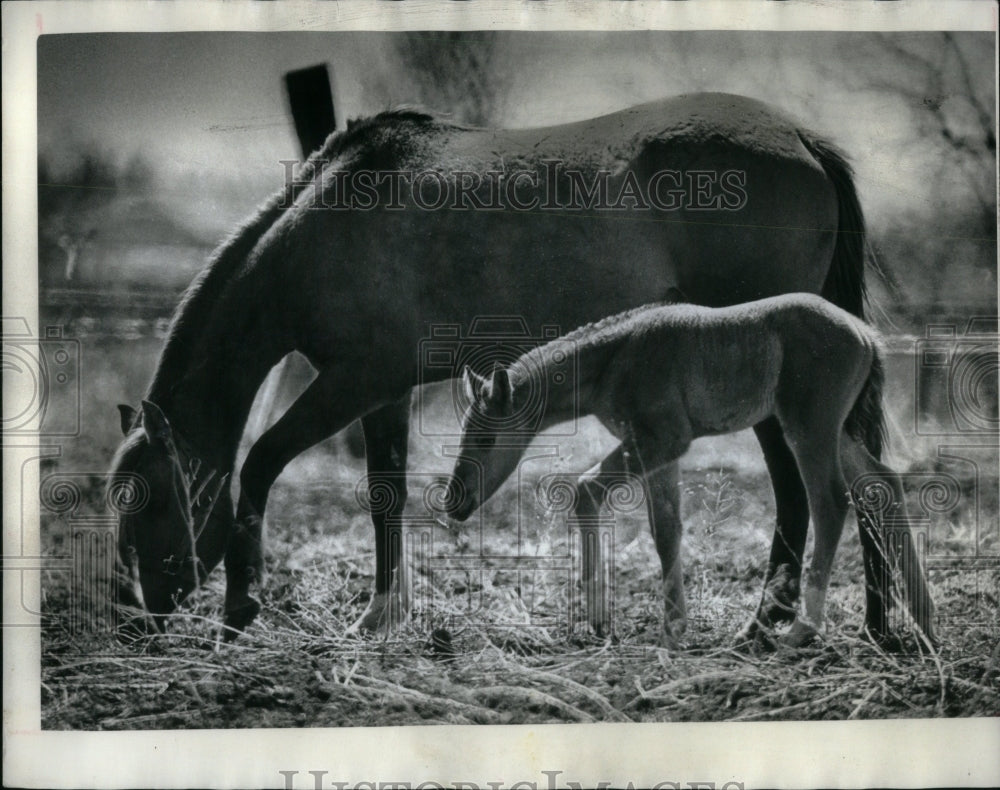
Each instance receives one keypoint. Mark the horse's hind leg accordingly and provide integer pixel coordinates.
(313, 417)
(876, 514)
(784, 566)
(387, 433)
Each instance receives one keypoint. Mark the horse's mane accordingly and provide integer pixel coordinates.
(195, 308)
(402, 112)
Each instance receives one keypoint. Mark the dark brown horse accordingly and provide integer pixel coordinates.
(405, 221)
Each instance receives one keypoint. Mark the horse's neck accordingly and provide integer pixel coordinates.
(209, 398)
(571, 391)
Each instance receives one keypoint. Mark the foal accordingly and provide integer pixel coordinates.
(659, 377)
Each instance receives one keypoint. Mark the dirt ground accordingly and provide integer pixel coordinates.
(519, 651)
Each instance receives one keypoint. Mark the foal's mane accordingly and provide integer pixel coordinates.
(596, 331)
(194, 311)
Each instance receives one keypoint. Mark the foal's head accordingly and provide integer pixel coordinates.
(493, 441)
(167, 537)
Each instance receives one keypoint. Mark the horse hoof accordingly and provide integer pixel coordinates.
(883, 640)
(778, 604)
(238, 618)
(755, 637)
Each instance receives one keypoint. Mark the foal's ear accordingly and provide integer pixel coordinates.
(154, 422)
(500, 390)
(472, 384)
(127, 414)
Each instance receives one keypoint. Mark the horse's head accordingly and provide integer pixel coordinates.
(170, 538)
(493, 441)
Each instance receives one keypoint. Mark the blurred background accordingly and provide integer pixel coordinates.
(152, 148)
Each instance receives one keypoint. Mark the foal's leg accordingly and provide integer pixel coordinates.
(314, 416)
(857, 462)
(386, 439)
(663, 504)
(591, 489)
(784, 566)
(818, 457)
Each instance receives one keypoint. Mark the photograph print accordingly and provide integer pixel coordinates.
(514, 377)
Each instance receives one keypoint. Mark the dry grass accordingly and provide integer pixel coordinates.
(516, 657)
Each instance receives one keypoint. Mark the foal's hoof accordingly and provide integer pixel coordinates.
(801, 634)
(385, 613)
(238, 618)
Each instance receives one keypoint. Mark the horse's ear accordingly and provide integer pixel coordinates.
(500, 390)
(154, 422)
(127, 414)
(472, 384)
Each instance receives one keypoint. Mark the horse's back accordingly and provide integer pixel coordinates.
(562, 264)
(687, 123)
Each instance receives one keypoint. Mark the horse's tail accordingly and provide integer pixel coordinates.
(864, 422)
(845, 282)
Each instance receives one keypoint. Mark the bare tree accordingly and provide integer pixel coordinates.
(462, 73)
(951, 104)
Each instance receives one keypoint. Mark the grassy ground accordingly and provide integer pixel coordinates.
(517, 657)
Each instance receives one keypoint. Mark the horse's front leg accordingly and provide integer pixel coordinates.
(316, 415)
(386, 439)
(782, 579)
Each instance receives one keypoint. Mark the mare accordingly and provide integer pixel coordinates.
(657, 378)
(404, 221)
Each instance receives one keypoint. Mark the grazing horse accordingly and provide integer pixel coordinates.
(404, 221)
(659, 377)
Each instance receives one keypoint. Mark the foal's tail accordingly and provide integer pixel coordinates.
(845, 282)
(865, 421)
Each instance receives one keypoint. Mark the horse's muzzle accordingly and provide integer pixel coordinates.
(458, 503)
